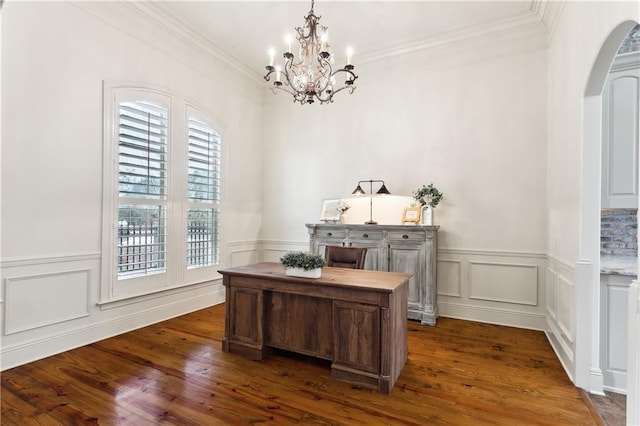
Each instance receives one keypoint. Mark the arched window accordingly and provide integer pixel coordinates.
(162, 193)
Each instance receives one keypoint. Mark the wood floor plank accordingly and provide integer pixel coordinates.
(175, 373)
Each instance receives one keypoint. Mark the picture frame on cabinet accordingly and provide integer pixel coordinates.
(330, 212)
(411, 215)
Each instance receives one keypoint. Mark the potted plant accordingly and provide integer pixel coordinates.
(302, 264)
(428, 196)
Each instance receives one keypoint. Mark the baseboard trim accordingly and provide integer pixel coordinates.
(555, 344)
(506, 317)
(34, 350)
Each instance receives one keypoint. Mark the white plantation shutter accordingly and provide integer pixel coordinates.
(204, 162)
(203, 189)
(161, 192)
(142, 154)
(142, 189)
(203, 194)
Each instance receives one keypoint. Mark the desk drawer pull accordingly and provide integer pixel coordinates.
(405, 236)
(365, 235)
(329, 234)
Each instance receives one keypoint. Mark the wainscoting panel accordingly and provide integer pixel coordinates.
(243, 253)
(614, 294)
(449, 278)
(51, 305)
(497, 287)
(504, 282)
(272, 250)
(244, 257)
(552, 284)
(560, 302)
(34, 301)
(565, 307)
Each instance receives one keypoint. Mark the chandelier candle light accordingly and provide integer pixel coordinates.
(311, 76)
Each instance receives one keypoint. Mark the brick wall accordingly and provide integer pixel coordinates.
(618, 232)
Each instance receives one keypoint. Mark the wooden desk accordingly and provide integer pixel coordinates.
(355, 318)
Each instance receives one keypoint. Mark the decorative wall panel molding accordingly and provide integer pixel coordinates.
(449, 278)
(565, 301)
(27, 350)
(559, 309)
(245, 257)
(51, 306)
(614, 328)
(504, 282)
(34, 301)
(491, 253)
(552, 291)
(43, 260)
(564, 351)
(453, 283)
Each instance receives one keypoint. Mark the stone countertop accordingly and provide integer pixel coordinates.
(618, 265)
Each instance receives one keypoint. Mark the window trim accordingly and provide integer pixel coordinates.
(177, 274)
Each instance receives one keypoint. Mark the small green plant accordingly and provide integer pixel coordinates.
(301, 259)
(428, 195)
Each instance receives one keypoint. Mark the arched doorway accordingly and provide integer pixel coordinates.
(588, 371)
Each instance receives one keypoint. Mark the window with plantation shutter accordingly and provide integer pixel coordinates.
(142, 188)
(161, 193)
(203, 194)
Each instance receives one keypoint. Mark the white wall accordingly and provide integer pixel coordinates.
(472, 121)
(55, 56)
(573, 184)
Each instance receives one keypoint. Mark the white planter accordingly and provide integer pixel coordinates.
(299, 272)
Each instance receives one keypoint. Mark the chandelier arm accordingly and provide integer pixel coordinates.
(288, 69)
(351, 89)
(348, 71)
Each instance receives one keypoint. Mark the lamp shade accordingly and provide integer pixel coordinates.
(358, 191)
(383, 190)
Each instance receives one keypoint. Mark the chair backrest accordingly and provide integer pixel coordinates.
(345, 257)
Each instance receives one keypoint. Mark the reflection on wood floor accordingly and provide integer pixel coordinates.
(459, 373)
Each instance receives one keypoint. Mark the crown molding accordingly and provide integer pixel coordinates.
(149, 23)
(458, 50)
(486, 32)
(549, 12)
(178, 27)
(538, 21)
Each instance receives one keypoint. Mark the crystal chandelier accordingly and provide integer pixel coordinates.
(311, 76)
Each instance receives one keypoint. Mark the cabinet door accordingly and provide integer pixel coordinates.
(409, 258)
(375, 258)
(356, 334)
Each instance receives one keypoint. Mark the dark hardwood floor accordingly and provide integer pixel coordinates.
(174, 372)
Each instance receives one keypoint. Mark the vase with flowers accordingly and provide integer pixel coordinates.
(343, 206)
(429, 197)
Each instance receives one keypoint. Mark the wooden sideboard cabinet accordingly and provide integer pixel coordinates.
(393, 248)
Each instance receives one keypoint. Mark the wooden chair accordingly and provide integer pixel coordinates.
(345, 257)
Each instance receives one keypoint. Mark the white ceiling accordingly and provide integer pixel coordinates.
(245, 30)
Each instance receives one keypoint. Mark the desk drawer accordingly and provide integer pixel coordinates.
(406, 236)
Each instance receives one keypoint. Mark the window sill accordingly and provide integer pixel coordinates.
(131, 299)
